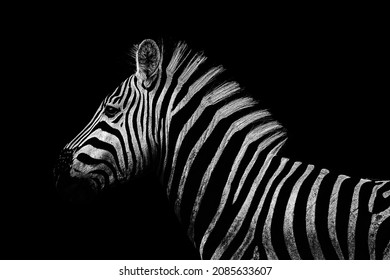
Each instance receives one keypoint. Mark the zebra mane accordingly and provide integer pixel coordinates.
(189, 62)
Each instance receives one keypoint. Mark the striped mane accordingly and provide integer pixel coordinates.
(182, 58)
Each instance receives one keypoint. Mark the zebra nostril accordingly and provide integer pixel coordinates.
(64, 162)
(77, 190)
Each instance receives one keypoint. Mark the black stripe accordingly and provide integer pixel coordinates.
(130, 92)
(117, 118)
(86, 159)
(321, 216)
(124, 90)
(363, 223)
(134, 120)
(98, 144)
(154, 103)
(148, 140)
(106, 127)
(142, 115)
(152, 85)
(161, 157)
(278, 240)
(299, 225)
(132, 151)
(342, 213)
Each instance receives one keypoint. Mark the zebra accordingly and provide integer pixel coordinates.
(219, 155)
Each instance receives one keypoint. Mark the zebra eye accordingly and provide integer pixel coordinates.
(110, 111)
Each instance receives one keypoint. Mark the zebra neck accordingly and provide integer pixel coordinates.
(199, 176)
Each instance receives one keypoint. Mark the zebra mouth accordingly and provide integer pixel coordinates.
(76, 190)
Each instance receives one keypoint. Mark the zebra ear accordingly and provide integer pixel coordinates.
(148, 59)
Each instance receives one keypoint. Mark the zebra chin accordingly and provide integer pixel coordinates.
(77, 190)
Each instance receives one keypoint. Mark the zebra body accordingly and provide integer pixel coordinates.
(219, 157)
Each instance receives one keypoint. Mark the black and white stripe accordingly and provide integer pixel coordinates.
(299, 211)
(217, 153)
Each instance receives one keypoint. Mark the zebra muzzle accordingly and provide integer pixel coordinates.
(72, 189)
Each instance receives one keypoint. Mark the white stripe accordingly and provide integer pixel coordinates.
(177, 58)
(332, 215)
(139, 161)
(353, 215)
(141, 124)
(310, 217)
(386, 194)
(152, 135)
(266, 237)
(289, 216)
(374, 193)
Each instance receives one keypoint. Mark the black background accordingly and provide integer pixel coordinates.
(323, 75)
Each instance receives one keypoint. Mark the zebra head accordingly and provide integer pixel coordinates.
(117, 144)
